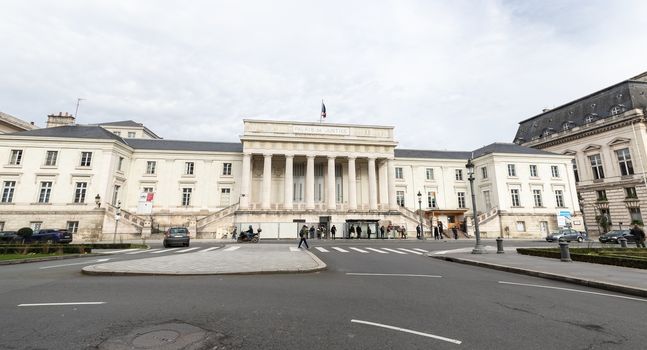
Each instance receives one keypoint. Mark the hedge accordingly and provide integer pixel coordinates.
(586, 255)
(45, 249)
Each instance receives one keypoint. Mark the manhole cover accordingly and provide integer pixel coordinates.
(155, 339)
(167, 336)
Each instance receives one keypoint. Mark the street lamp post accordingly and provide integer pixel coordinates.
(581, 200)
(422, 229)
(117, 217)
(478, 248)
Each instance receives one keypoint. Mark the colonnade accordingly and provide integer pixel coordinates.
(384, 190)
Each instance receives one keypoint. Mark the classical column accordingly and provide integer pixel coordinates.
(352, 185)
(310, 182)
(245, 194)
(267, 181)
(331, 183)
(372, 185)
(384, 187)
(289, 183)
(393, 203)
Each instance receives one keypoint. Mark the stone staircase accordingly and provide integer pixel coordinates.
(217, 216)
(414, 218)
(129, 223)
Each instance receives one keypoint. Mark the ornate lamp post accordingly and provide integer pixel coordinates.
(581, 200)
(97, 201)
(478, 248)
(117, 217)
(422, 230)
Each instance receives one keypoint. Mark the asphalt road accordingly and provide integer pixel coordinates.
(364, 301)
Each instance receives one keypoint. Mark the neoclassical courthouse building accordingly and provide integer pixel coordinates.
(281, 175)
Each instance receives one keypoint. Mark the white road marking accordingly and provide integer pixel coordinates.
(79, 263)
(63, 304)
(142, 251)
(410, 251)
(359, 250)
(119, 251)
(208, 249)
(322, 249)
(391, 274)
(377, 250)
(165, 250)
(295, 249)
(232, 248)
(572, 290)
(340, 250)
(187, 250)
(394, 251)
(408, 331)
(421, 250)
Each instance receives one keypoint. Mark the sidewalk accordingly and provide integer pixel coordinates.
(613, 278)
(233, 259)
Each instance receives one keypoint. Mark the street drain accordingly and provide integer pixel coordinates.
(167, 336)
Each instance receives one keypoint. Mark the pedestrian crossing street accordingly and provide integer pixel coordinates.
(230, 248)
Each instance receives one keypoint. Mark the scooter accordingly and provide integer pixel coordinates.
(242, 237)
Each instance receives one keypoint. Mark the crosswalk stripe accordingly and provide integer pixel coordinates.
(421, 250)
(358, 250)
(165, 250)
(410, 251)
(232, 248)
(322, 249)
(377, 250)
(394, 251)
(187, 250)
(142, 251)
(294, 249)
(208, 249)
(340, 250)
(119, 251)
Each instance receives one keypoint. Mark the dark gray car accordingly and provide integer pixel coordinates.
(177, 236)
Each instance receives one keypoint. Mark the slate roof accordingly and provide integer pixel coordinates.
(496, 147)
(128, 123)
(73, 131)
(508, 148)
(179, 145)
(626, 95)
(418, 153)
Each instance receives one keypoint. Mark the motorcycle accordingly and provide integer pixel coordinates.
(243, 237)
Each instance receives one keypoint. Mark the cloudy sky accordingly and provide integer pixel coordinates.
(447, 74)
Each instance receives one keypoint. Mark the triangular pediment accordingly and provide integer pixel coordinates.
(592, 148)
(619, 141)
(569, 152)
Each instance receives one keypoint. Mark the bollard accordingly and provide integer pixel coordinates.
(499, 245)
(623, 242)
(565, 254)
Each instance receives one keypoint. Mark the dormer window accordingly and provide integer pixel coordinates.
(547, 132)
(589, 118)
(566, 126)
(617, 109)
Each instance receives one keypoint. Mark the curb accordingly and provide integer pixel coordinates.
(584, 282)
(62, 257)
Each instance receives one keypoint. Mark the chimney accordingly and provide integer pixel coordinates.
(60, 119)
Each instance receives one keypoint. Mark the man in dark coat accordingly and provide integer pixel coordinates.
(333, 230)
(359, 232)
(351, 232)
(382, 232)
(640, 236)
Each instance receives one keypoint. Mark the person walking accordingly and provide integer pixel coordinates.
(368, 231)
(455, 231)
(359, 232)
(312, 231)
(351, 232)
(436, 234)
(333, 231)
(382, 232)
(418, 231)
(441, 231)
(234, 233)
(640, 236)
(304, 235)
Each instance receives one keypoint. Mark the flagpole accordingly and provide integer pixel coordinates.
(321, 114)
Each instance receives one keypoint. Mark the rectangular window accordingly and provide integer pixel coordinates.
(186, 196)
(35, 225)
(430, 173)
(624, 161)
(188, 168)
(115, 194)
(630, 192)
(484, 172)
(225, 194)
(72, 226)
(118, 133)
(596, 166)
(512, 170)
(577, 174)
(226, 169)
(1, 226)
(533, 170)
(559, 198)
(431, 199)
(554, 171)
(51, 158)
(399, 198)
(601, 195)
(634, 214)
(461, 199)
(536, 195)
(521, 226)
(79, 192)
(45, 191)
(131, 134)
(120, 163)
(150, 167)
(398, 173)
(7, 191)
(514, 193)
(148, 190)
(86, 159)
(487, 200)
(458, 174)
(16, 157)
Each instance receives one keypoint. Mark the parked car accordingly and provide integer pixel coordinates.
(574, 236)
(51, 235)
(177, 236)
(556, 236)
(9, 237)
(612, 236)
